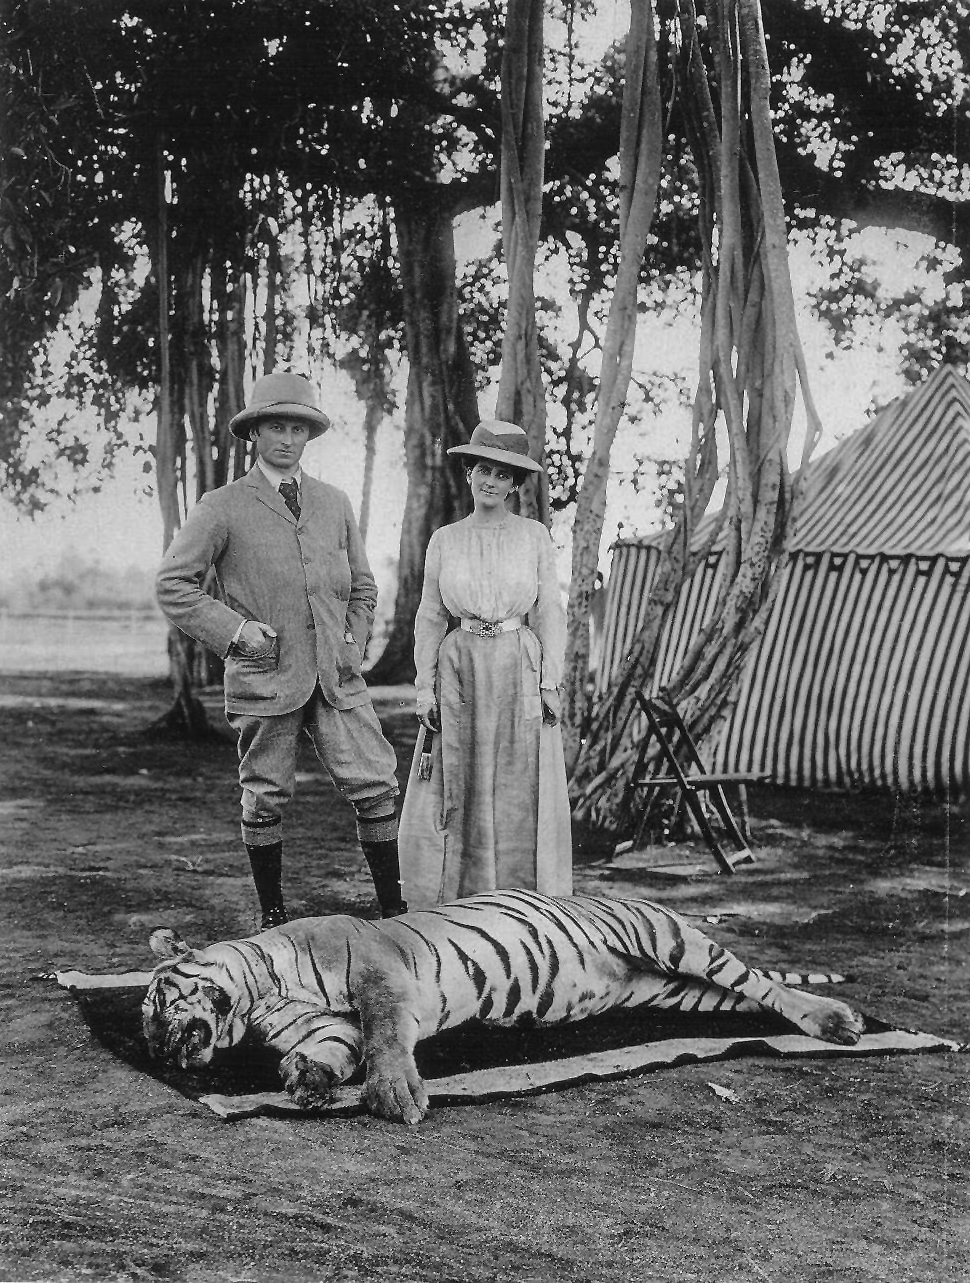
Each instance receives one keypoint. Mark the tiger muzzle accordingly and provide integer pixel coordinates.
(195, 1044)
(186, 1045)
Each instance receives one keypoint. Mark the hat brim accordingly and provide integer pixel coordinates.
(523, 462)
(316, 420)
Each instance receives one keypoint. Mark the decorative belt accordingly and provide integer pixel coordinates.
(483, 628)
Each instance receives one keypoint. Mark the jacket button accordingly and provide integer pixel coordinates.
(311, 625)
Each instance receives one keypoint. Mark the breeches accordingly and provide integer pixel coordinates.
(349, 743)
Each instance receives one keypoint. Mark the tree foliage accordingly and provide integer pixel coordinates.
(750, 357)
(292, 142)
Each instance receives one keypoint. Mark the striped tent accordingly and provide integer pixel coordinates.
(862, 675)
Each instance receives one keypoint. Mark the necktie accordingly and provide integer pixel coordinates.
(289, 493)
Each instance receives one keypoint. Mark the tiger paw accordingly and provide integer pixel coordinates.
(309, 1083)
(833, 1021)
(395, 1091)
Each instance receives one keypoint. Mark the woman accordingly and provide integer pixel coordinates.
(488, 648)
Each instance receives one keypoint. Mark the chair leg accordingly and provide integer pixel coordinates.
(696, 808)
(744, 815)
(642, 822)
(630, 793)
(727, 818)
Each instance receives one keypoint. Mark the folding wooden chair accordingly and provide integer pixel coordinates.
(681, 767)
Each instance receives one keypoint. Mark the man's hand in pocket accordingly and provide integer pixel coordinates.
(256, 639)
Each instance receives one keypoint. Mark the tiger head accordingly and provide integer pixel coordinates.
(193, 1006)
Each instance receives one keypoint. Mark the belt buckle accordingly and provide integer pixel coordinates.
(487, 629)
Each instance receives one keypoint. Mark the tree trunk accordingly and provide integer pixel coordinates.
(168, 431)
(204, 669)
(751, 357)
(232, 454)
(369, 369)
(373, 414)
(187, 715)
(521, 397)
(274, 269)
(440, 411)
(641, 149)
(196, 367)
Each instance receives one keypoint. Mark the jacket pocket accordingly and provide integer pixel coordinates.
(253, 677)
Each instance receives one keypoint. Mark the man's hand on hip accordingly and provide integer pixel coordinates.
(255, 638)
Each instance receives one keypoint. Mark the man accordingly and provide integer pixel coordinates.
(297, 604)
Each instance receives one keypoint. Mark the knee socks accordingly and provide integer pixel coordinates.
(378, 841)
(263, 838)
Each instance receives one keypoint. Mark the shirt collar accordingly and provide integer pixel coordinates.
(274, 476)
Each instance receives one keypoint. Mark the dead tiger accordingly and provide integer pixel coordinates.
(330, 992)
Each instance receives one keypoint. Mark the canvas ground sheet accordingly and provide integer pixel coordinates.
(477, 1063)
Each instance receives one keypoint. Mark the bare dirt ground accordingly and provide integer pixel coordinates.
(819, 1170)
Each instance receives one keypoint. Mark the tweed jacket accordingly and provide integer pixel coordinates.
(308, 579)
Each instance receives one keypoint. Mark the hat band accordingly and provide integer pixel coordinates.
(294, 407)
(515, 443)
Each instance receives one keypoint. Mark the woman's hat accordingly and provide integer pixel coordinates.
(501, 443)
(286, 396)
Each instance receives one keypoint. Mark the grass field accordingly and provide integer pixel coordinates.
(128, 645)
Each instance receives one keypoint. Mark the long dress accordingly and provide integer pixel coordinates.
(495, 812)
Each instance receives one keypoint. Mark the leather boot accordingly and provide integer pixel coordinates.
(385, 869)
(266, 863)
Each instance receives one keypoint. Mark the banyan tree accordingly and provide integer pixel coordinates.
(707, 60)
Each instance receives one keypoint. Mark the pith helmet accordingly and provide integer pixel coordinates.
(287, 396)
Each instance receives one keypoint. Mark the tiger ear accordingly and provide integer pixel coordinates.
(166, 943)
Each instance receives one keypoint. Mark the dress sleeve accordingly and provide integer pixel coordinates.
(549, 618)
(430, 624)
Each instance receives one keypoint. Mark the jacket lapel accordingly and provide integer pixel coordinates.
(267, 493)
(312, 502)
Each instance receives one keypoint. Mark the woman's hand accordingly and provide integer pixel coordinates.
(551, 707)
(428, 716)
